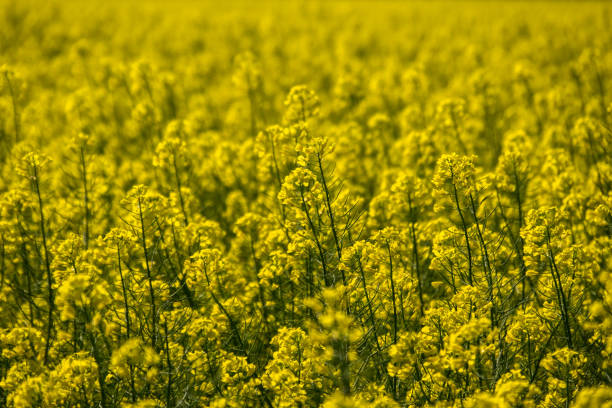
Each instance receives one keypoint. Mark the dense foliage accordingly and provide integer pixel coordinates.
(426, 221)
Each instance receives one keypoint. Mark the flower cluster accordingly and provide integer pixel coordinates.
(307, 205)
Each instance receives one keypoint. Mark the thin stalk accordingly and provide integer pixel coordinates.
(370, 310)
(465, 232)
(85, 198)
(392, 293)
(178, 187)
(124, 291)
(149, 277)
(317, 242)
(415, 254)
(560, 294)
(169, 394)
(50, 293)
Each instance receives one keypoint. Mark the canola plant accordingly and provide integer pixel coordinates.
(302, 204)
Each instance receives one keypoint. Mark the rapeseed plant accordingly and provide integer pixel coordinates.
(387, 205)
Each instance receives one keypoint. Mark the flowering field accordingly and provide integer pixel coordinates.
(300, 204)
